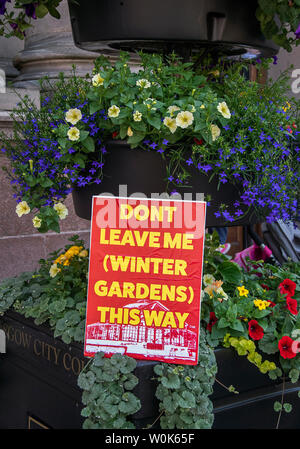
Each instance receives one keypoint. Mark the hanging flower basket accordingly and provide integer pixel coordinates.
(227, 27)
(132, 172)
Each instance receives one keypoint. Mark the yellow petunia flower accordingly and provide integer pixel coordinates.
(54, 270)
(224, 110)
(208, 279)
(61, 210)
(137, 116)
(37, 222)
(143, 83)
(73, 133)
(184, 119)
(172, 109)
(170, 123)
(97, 80)
(73, 116)
(215, 132)
(113, 111)
(22, 208)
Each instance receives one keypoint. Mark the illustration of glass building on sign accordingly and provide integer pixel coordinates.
(148, 341)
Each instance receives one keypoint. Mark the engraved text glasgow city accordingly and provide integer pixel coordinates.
(41, 348)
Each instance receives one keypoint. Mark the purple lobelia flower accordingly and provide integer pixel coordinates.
(30, 10)
(297, 32)
(3, 7)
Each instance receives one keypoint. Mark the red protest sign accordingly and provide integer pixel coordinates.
(144, 289)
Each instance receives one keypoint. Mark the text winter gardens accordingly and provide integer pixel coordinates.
(168, 250)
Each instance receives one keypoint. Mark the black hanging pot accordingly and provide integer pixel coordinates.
(130, 172)
(227, 26)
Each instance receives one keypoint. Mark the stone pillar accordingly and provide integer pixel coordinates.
(8, 50)
(284, 61)
(48, 50)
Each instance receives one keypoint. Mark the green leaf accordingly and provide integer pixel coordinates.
(136, 138)
(187, 400)
(41, 10)
(46, 182)
(89, 144)
(237, 326)
(172, 381)
(230, 272)
(83, 135)
(268, 344)
(287, 407)
(277, 406)
(154, 121)
(54, 12)
(94, 107)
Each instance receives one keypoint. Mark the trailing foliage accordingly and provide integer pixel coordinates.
(60, 300)
(107, 385)
(184, 391)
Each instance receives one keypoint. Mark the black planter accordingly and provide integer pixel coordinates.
(38, 385)
(226, 26)
(142, 171)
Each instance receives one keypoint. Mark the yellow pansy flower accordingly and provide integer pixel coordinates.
(262, 305)
(243, 291)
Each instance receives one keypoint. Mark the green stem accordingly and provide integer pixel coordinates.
(282, 397)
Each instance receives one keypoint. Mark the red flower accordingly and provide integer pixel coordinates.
(256, 332)
(212, 320)
(271, 303)
(265, 286)
(197, 141)
(114, 134)
(291, 305)
(285, 347)
(287, 287)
